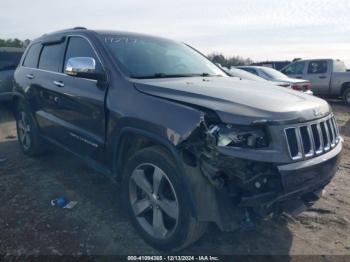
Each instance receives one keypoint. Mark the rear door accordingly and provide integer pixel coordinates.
(47, 92)
(318, 73)
(79, 103)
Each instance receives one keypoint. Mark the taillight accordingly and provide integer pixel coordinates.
(297, 87)
(307, 86)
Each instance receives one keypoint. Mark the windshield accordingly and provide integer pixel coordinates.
(9, 60)
(272, 74)
(244, 74)
(150, 57)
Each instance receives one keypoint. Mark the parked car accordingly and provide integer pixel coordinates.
(242, 74)
(278, 65)
(329, 77)
(189, 144)
(282, 80)
(235, 72)
(9, 59)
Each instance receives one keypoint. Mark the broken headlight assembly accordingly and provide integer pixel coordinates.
(226, 135)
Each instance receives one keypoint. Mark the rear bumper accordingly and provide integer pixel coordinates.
(309, 92)
(301, 184)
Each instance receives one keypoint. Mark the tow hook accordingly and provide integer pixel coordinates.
(247, 224)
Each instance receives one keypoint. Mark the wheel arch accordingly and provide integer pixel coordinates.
(135, 139)
(344, 86)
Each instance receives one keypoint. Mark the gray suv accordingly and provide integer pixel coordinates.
(189, 144)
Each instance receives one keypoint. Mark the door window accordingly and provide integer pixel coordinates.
(51, 58)
(80, 47)
(317, 67)
(31, 59)
(295, 69)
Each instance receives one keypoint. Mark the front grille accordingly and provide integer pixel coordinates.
(310, 139)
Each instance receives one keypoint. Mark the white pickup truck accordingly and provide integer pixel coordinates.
(327, 76)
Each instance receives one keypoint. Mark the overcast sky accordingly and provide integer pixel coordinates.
(259, 29)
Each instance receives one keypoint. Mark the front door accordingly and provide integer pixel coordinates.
(74, 107)
(318, 73)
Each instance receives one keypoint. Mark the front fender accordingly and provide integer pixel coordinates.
(159, 141)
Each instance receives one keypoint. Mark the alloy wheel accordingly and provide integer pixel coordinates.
(24, 130)
(153, 201)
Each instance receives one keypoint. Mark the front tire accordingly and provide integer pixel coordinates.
(27, 132)
(157, 203)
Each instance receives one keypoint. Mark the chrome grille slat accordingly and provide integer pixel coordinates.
(321, 138)
(336, 130)
(312, 143)
(332, 133)
(328, 145)
(315, 138)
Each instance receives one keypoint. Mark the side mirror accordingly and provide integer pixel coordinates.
(84, 67)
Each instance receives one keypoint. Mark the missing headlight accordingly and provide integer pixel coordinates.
(239, 136)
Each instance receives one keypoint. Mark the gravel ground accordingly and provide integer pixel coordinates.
(29, 225)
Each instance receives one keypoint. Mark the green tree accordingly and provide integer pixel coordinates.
(229, 61)
(14, 42)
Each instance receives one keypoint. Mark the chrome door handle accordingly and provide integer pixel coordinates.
(30, 76)
(56, 99)
(58, 83)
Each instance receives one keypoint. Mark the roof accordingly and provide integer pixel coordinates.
(100, 32)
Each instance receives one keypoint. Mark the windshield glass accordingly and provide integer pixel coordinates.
(151, 57)
(244, 74)
(9, 60)
(272, 74)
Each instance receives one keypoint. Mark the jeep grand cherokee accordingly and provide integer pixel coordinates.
(189, 144)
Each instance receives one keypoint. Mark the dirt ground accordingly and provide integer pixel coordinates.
(29, 225)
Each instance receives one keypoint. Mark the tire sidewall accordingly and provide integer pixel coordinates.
(346, 93)
(178, 238)
(21, 107)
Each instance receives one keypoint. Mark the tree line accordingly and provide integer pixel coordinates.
(229, 61)
(15, 42)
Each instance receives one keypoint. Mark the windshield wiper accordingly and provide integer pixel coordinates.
(206, 75)
(163, 75)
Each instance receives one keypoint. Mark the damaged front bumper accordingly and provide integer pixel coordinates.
(301, 185)
(225, 187)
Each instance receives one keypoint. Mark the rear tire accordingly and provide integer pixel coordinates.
(27, 132)
(157, 204)
(346, 96)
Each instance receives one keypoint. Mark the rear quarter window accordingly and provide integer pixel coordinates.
(32, 56)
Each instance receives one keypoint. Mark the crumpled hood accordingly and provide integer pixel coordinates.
(238, 101)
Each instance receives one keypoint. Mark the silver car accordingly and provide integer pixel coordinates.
(273, 75)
